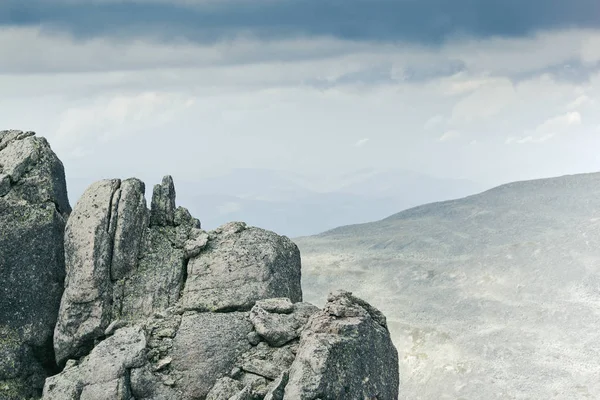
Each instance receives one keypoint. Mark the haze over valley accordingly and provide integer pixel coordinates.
(494, 296)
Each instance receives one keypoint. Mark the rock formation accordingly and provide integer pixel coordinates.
(154, 307)
(33, 209)
(345, 352)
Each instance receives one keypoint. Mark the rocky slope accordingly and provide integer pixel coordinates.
(154, 307)
(494, 296)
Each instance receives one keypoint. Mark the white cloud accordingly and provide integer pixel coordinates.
(559, 122)
(529, 139)
(450, 135)
(109, 118)
(433, 122)
(579, 102)
(361, 142)
(465, 83)
(487, 100)
(548, 129)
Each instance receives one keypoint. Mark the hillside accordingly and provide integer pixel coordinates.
(493, 296)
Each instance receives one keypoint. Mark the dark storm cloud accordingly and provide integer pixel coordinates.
(418, 21)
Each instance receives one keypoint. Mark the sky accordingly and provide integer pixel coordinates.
(491, 91)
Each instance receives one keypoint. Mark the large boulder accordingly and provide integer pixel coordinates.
(345, 352)
(241, 265)
(279, 321)
(105, 372)
(33, 211)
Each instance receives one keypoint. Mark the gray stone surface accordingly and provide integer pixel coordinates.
(145, 385)
(266, 361)
(105, 373)
(277, 387)
(131, 220)
(206, 348)
(86, 305)
(4, 184)
(183, 217)
(255, 386)
(119, 267)
(197, 241)
(224, 389)
(281, 305)
(33, 208)
(162, 209)
(245, 394)
(157, 283)
(239, 266)
(345, 353)
(36, 174)
(254, 338)
(284, 323)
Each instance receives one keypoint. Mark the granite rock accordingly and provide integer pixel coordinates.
(33, 211)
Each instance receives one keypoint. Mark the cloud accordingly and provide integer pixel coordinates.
(559, 122)
(433, 122)
(548, 129)
(449, 135)
(489, 99)
(108, 119)
(264, 103)
(581, 101)
(361, 142)
(315, 61)
(425, 21)
(590, 50)
(529, 139)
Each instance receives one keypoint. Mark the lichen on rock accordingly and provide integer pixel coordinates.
(33, 209)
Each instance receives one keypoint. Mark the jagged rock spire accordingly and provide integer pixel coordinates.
(162, 208)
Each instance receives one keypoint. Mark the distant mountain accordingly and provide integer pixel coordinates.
(296, 205)
(493, 296)
(399, 183)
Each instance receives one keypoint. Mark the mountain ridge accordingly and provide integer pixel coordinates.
(427, 206)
